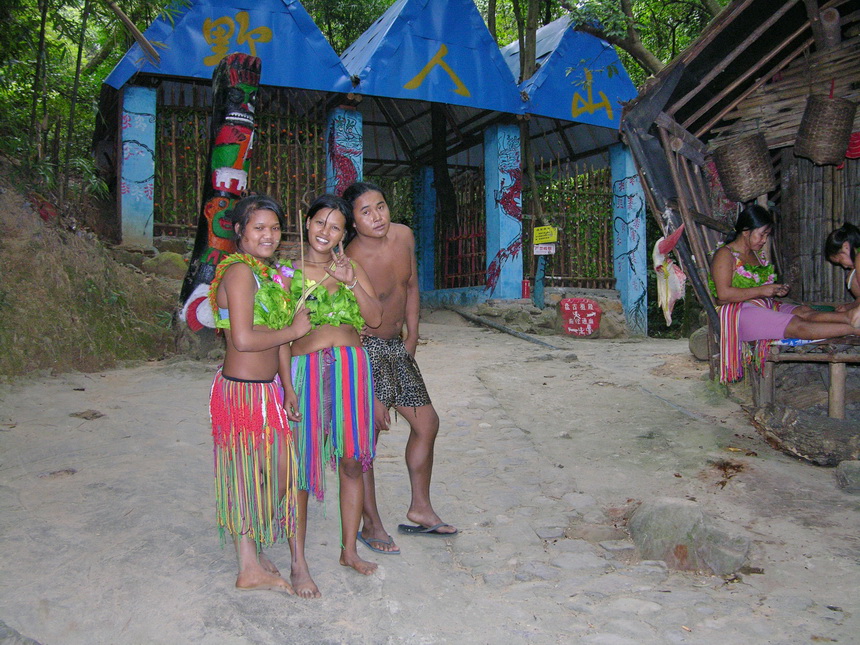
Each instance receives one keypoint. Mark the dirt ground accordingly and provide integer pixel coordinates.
(107, 511)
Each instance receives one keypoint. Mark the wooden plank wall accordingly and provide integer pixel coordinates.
(816, 200)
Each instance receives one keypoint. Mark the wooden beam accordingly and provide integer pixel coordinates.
(704, 220)
(761, 81)
(396, 129)
(814, 358)
(559, 128)
(720, 67)
(836, 393)
(682, 141)
(812, 12)
(449, 117)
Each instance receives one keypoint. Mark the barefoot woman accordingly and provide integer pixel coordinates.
(744, 285)
(331, 373)
(254, 457)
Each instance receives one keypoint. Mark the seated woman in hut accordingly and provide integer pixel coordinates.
(743, 282)
(841, 247)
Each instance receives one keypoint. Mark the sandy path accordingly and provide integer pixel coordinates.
(124, 550)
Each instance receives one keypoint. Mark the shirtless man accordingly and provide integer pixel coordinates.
(387, 252)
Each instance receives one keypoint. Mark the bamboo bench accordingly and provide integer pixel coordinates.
(837, 352)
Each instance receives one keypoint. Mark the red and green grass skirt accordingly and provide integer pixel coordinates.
(254, 457)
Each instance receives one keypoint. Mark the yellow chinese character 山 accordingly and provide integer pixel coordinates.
(579, 105)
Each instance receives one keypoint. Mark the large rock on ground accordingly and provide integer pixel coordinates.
(699, 343)
(171, 265)
(848, 476)
(682, 535)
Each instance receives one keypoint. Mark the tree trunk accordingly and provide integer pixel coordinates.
(528, 64)
(521, 28)
(37, 76)
(820, 440)
(491, 18)
(73, 102)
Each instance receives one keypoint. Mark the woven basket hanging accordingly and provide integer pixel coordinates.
(825, 129)
(744, 168)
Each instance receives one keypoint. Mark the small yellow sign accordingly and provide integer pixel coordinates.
(544, 234)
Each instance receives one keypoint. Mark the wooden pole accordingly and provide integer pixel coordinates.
(836, 397)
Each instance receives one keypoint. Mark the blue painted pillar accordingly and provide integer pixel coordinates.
(504, 208)
(629, 247)
(425, 227)
(344, 149)
(137, 170)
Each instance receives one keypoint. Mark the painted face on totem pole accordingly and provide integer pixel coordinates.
(235, 83)
(221, 242)
(240, 104)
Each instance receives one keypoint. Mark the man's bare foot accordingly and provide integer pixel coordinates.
(267, 564)
(352, 560)
(431, 519)
(378, 540)
(262, 580)
(303, 584)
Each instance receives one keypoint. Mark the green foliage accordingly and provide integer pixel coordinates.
(665, 27)
(35, 109)
(399, 195)
(344, 21)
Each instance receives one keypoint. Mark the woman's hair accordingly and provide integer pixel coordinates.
(358, 189)
(244, 207)
(846, 233)
(749, 219)
(335, 203)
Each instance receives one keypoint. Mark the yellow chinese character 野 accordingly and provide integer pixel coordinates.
(219, 32)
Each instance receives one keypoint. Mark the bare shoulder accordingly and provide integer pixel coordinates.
(237, 271)
(722, 255)
(402, 234)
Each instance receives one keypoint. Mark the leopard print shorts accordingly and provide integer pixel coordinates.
(396, 378)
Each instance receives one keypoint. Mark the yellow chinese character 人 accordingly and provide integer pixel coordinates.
(438, 59)
(218, 34)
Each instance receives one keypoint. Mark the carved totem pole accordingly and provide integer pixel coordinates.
(235, 84)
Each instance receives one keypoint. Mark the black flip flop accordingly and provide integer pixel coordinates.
(432, 531)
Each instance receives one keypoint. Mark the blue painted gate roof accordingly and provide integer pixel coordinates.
(560, 88)
(433, 50)
(280, 32)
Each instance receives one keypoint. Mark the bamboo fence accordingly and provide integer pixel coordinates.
(287, 160)
(578, 201)
(461, 259)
